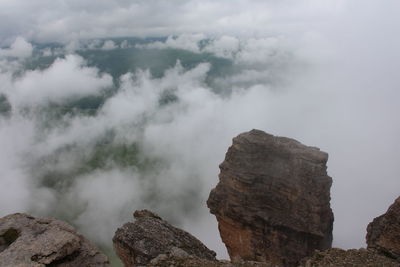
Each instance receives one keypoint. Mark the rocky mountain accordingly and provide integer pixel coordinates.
(27, 241)
(272, 201)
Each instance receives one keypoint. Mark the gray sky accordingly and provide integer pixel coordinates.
(341, 94)
(50, 20)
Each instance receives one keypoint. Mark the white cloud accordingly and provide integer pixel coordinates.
(225, 46)
(65, 79)
(109, 45)
(124, 44)
(75, 44)
(300, 71)
(20, 48)
(47, 52)
(124, 191)
(259, 50)
(16, 185)
(185, 41)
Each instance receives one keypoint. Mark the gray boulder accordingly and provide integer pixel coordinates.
(29, 241)
(150, 237)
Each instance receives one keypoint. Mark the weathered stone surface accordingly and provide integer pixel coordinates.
(29, 241)
(272, 200)
(350, 258)
(168, 261)
(383, 233)
(139, 242)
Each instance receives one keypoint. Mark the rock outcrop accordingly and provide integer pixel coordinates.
(352, 258)
(29, 241)
(272, 202)
(151, 238)
(168, 261)
(383, 233)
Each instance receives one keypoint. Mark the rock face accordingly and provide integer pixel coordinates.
(383, 233)
(169, 261)
(29, 241)
(138, 243)
(272, 200)
(352, 258)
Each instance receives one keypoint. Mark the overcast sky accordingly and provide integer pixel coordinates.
(62, 20)
(342, 91)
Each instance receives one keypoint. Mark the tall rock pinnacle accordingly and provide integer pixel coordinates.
(272, 202)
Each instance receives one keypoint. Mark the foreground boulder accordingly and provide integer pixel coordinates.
(352, 258)
(29, 241)
(383, 233)
(138, 243)
(272, 200)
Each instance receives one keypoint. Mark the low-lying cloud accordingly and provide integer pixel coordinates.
(65, 79)
(320, 72)
(20, 48)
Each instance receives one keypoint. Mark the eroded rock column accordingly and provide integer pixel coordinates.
(272, 202)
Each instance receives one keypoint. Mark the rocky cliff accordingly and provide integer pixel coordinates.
(383, 233)
(272, 201)
(34, 242)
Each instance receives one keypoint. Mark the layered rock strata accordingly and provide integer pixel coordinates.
(29, 241)
(383, 233)
(151, 238)
(272, 201)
